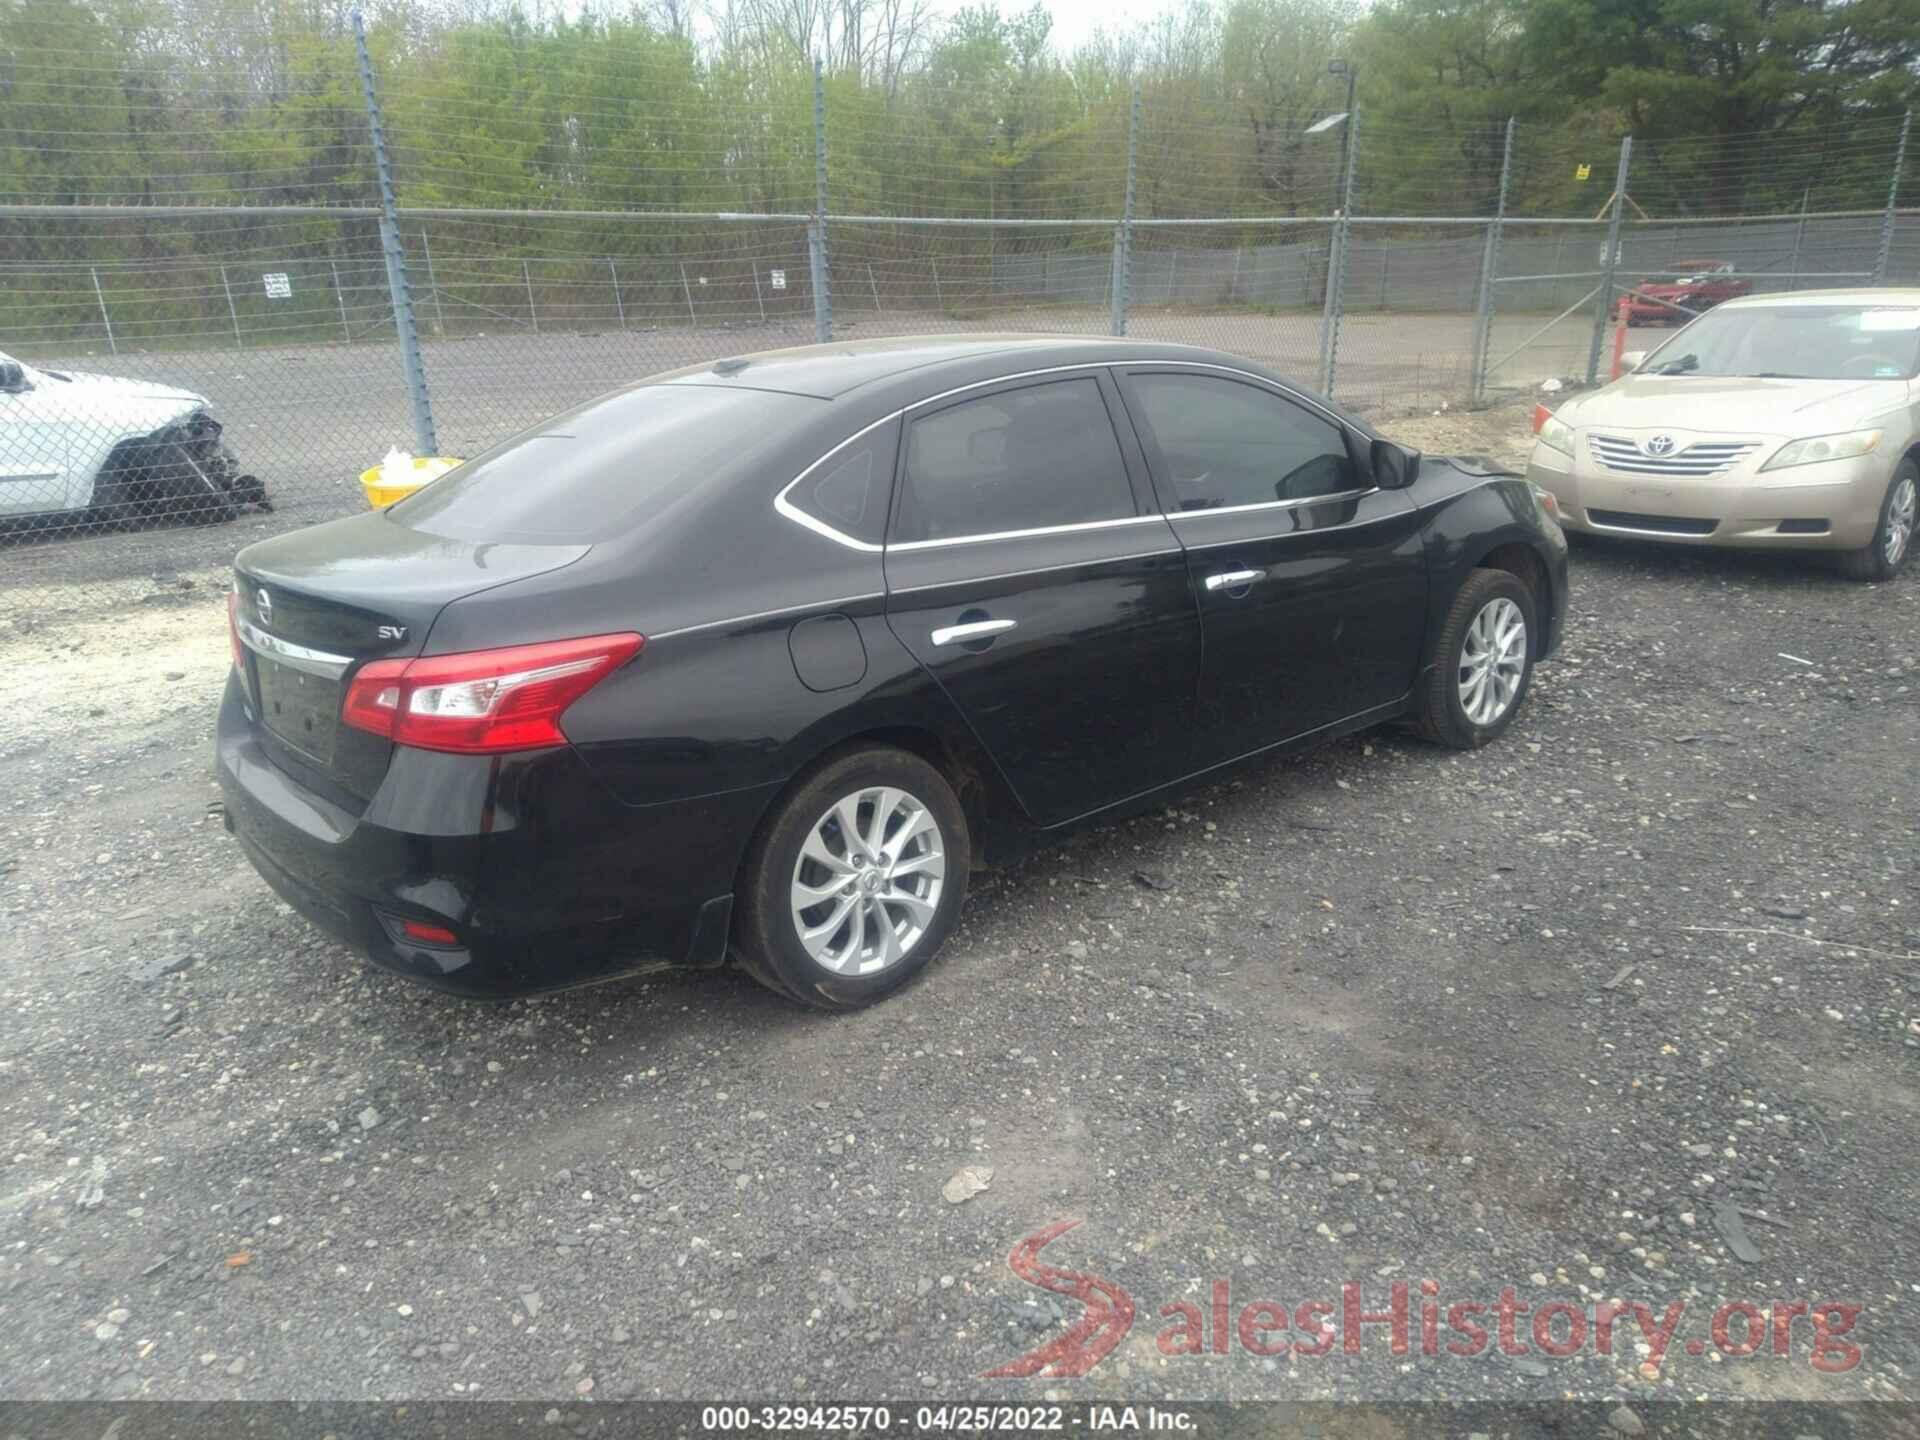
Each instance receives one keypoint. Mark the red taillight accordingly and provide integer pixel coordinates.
(233, 630)
(428, 934)
(1540, 417)
(483, 702)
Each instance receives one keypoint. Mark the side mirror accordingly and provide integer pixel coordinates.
(13, 379)
(1395, 467)
(1632, 361)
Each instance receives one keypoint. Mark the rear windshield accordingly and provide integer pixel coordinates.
(1804, 342)
(602, 470)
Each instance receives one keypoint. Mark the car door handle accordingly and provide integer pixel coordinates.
(973, 630)
(1234, 579)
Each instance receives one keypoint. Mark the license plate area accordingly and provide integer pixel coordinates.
(301, 710)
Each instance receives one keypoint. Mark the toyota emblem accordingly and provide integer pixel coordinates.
(263, 606)
(1658, 445)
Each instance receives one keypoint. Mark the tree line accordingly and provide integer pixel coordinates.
(1744, 106)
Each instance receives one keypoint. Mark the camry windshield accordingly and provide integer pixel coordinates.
(1802, 342)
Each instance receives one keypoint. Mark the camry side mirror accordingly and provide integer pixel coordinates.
(13, 379)
(1395, 467)
(1632, 361)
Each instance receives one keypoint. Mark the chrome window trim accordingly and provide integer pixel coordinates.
(1274, 504)
(789, 510)
(297, 657)
(1076, 528)
(800, 517)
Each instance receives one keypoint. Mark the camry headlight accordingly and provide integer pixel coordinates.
(1556, 432)
(1816, 448)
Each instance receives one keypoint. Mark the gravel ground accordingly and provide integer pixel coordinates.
(1531, 1017)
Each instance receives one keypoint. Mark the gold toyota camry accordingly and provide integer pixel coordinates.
(1775, 421)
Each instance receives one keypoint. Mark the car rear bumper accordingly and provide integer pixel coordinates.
(558, 884)
(1833, 506)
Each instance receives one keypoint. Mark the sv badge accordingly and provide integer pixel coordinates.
(393, 632)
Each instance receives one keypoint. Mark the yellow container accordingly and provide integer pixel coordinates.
(425, 467)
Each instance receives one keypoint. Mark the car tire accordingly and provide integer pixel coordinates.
(1886, 555)
(834, 953)
(1473, 689)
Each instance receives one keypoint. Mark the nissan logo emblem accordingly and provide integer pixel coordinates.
(263, 606)
(1658, 445)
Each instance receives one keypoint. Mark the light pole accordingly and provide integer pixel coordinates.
(1352, 72)
(1342, 224)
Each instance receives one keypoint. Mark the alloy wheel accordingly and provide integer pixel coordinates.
(1900, 519)
(868, 881)
(1492, 661)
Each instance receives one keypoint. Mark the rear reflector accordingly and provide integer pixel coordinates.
(483, 702)
(428, 934)
(1540, 417)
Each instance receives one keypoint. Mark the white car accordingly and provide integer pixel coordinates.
(1777, 422)
(80, 448)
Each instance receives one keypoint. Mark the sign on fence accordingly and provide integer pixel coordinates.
(279, 287)
(778, 279)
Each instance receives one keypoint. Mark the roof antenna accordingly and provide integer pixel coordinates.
(730, 367)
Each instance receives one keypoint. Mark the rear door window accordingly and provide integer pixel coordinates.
(1026, 459)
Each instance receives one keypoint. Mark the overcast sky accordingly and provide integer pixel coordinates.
(1075, 20)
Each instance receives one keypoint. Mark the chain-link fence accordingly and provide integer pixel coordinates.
(192, 365)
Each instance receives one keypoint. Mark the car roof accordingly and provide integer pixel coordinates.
(902, 370)
(1864, 295)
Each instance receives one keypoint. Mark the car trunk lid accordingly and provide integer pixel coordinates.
(314, 605)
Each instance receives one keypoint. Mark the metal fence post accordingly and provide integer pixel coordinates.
(817, 232)
(620, 309)
(1885, 252)
(1800, 238)
(105, 319)
(758, 298)
(439, 312)
(1489, 272)
(1609, 263)
(232, 314)
(1123, 235)
(340, 298)
(526, 278)
(817, 281)
(1331, 309)
(423, 431)
(693, 320)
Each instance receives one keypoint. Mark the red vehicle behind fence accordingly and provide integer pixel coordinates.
(1695, 284)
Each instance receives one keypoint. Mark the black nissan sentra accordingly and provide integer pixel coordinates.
(760, 659)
